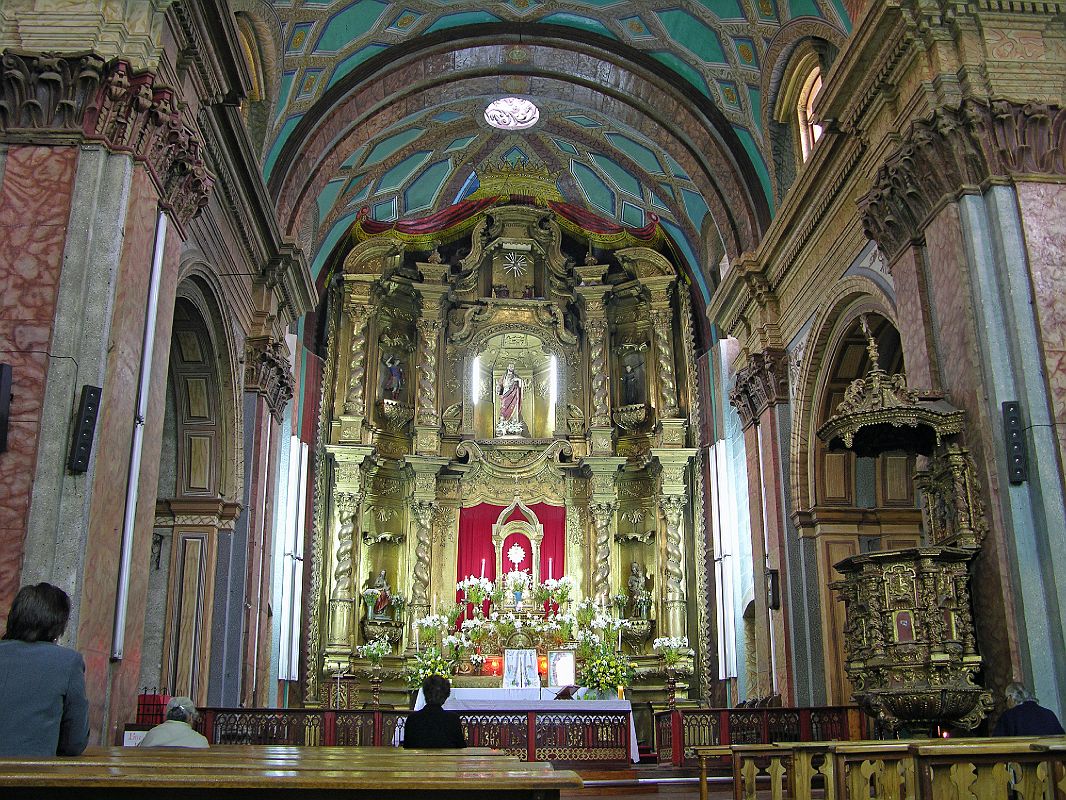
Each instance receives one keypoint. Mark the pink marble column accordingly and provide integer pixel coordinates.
(761, 683)
(112, 456)
(912, 317)
(951, 297)
(1043, 209)
(35, 198)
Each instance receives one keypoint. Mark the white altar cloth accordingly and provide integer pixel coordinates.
(532, 699)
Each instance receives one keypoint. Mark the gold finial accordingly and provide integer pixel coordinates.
(871, 342)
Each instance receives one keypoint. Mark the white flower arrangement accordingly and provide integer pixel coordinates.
(669, 648)
(517, 581)
(374, 651)
(475, 590)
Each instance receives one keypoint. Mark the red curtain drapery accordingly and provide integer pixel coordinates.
(475, 541)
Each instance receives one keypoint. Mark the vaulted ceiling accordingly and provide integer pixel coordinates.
(647, 110)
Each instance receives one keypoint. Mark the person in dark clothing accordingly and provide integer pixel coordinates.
(43, 709)
(1024, 717)
(432, 726)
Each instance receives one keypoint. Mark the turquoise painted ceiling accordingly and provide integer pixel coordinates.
(711, 49)
(429, 160)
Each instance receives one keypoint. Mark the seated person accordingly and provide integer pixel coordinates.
(177, 730)
(43, 710)
(1024, 717)
(432, 726)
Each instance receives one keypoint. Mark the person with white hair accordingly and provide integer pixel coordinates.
(1025, 717)
(177, 730)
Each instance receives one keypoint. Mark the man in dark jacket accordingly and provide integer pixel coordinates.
(432, 726)
(1024, 717)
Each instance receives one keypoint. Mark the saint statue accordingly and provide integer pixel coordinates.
(632, 381)
(509, 389)
(380, 584)
(636, 581)
(394, 377)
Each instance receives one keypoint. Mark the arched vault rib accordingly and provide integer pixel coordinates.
(360, 108)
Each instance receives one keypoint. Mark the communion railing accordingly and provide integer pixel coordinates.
(679, 730)
(541, 735)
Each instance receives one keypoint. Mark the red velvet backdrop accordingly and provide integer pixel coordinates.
(475, 541)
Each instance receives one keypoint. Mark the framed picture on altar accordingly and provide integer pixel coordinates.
(520, 669)
(562, 668)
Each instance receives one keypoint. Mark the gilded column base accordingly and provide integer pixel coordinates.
(674, 618)
(672, 432)
(427, 440)
(350, 429)
(601, 442)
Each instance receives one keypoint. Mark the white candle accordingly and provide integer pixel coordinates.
(549, 567)
(482, 568)
(416, 637)
(619, 640)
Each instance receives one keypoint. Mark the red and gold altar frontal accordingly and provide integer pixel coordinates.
(508, 392)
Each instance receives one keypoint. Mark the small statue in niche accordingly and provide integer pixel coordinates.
(636, 581)
(632, 379)
(377, 594)
(393, 384)
(640, 598)
(509, 389)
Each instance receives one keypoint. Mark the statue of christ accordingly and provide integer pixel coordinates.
(509, 389)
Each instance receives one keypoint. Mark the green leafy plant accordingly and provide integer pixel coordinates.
(605, 670)
(429, 661)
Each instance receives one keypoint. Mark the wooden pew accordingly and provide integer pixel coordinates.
(249, 772)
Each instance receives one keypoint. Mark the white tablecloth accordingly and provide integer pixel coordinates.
(542, 699)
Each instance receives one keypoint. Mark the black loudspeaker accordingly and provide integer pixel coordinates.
(5, 403)
(84, 426)
(1014, 433)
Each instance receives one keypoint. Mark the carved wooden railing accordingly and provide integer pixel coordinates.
(960, 769)
(542, 735)
(678, 731)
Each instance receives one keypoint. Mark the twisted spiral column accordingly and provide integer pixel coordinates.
(428, 332)
(673, 507)
(597, 337)
(423, 512)
(664, 359)
(341, 600)
(359, 316)
(602, 514)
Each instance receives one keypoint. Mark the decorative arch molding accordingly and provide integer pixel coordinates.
(850, 298)
(529, 526)
(260, 24)
(199, 289)
(353, 113)
(799, 46)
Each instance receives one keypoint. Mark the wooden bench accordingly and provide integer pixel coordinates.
(248, 771)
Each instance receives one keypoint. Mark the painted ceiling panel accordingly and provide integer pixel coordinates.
(690, 33)
(350, 24)
(354, 60)
(636, 151)
(618, 175)
(401, 173)
(596, 191)
(387, 147)
(425, 188)
(465, 18)
(578, 21)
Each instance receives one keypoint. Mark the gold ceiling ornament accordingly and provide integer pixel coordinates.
(531, 179)
(880, 412)
(909, 637)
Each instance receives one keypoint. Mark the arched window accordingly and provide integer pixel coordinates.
(810, 132)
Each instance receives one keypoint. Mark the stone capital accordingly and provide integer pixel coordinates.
(673, 464)
(425, 469)
(762, 383)
(67, 99)
(956, 150)
(348, 462)
(266, 371)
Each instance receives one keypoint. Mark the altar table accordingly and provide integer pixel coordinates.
(530, 723)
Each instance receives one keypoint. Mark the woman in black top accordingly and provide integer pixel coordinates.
(432, 726)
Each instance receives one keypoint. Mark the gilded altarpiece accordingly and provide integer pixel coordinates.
(504, 358)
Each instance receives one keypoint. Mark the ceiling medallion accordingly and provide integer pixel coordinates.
(512, 114)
